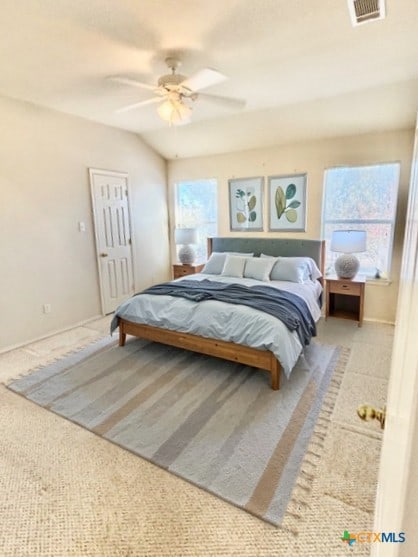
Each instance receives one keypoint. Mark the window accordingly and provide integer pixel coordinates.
(197, 207)
(362, 198)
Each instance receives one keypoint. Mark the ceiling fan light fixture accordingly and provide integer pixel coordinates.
(165, 110)
(175, 112)
(176, 92)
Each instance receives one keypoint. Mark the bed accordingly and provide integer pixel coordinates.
(222, 329)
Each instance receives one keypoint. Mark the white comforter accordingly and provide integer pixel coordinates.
(214, 319)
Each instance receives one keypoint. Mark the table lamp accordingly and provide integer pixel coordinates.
(184, 237)
(348, 242)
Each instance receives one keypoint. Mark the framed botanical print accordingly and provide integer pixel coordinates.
(287, 203)
(246, 203)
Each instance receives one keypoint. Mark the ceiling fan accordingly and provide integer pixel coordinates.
(176, 92)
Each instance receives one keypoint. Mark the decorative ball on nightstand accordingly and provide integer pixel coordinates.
(187, 255)
(348, 242)
(184, 237)
(347, 266)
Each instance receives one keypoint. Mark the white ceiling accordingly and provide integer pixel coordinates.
(303, 69)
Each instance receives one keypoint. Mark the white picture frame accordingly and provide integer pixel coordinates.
(246, 204)
(287, 203)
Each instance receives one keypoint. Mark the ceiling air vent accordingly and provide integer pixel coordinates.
(364, 11)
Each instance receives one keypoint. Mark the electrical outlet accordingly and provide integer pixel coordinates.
(46, 308)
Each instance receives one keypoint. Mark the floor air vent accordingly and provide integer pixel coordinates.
(364, 11)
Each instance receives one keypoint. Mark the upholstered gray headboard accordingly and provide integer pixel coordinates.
(271, 246)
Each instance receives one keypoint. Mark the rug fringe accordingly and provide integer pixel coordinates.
(302, 490)
(313, 453)
(56, 359)
(300, 503)
(304, 487)
(306, 474)
(292, 531)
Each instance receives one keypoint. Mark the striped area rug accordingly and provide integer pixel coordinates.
(214, 423)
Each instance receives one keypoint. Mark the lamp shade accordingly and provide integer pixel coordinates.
(165, 110)
(348, 241)
(185, 236)
(174, 111)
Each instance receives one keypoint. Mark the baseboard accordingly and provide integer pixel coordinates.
(372, 320)
(48, 335)
(383, 321)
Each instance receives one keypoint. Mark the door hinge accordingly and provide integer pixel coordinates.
(130, 242)
(126, 193)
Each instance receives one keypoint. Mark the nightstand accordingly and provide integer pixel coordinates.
(345, 298)
(182, 270)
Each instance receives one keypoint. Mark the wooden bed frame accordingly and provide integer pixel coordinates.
(262, 359)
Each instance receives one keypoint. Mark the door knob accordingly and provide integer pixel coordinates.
(367, 413)
(103, 255)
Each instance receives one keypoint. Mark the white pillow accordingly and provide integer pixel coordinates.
(311, 269)
(216, 261)
(214, 264)
(234, 266)
(315, 272)
(294, 269)
(259, 268)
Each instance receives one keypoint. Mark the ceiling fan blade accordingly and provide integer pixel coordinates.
(138, 105)
(225, 101)
(132, 82)
(203, 79)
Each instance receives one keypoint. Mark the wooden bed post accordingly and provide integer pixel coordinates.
(122, 335)
(275, 370)
(322, 262)
(209, 246)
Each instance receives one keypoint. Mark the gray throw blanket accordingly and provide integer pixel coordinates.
(289, 308)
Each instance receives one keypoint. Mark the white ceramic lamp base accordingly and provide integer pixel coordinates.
(187, 255)
(347, 266)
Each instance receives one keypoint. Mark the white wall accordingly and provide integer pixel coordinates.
(312, 157)
(44, 193)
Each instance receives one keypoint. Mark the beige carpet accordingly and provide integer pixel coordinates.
(65, 491)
